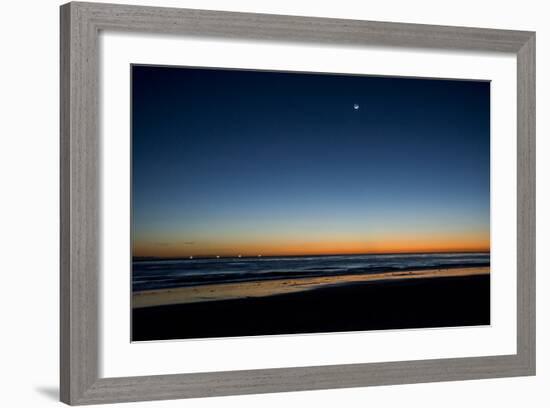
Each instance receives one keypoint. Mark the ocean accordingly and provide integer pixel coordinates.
(164, 274)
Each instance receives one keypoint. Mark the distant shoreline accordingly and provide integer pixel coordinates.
(262, 288)
(196, 257)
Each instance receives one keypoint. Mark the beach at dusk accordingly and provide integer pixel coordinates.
(268, 203)
(405, 300)
(262, 288)
(231, 294)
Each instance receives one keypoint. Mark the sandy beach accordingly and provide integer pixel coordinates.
(419, 299)
(218, 292)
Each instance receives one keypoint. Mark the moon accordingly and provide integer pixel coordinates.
(355, 106)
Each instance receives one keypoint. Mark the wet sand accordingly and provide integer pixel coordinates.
(226, 291)
(415, 299)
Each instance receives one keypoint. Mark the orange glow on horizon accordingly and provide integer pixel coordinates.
(411, 244)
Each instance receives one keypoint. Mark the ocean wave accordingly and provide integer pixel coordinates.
(163, 274)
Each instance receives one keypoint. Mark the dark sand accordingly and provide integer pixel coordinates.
(398, 304)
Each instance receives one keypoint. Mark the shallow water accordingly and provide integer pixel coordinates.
(163, 274)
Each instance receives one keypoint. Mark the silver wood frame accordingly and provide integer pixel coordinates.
(80, 158)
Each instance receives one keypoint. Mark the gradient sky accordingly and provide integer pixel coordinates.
(229, 162)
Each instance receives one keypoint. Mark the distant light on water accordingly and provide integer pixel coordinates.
(355, 106)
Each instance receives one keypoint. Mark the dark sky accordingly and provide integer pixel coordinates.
(228, 161)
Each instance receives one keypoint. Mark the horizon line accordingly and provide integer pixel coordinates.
(242, 256)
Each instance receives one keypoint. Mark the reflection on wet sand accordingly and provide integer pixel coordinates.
(226, 291)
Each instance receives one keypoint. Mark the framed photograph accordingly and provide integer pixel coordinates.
(260, 203)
